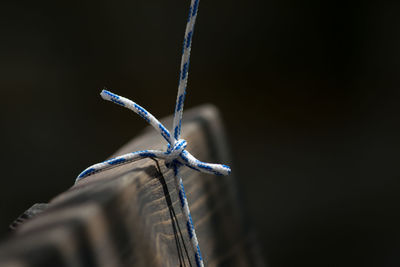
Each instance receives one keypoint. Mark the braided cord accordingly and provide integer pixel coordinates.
(184, 71)
(177, 124)
(176, 154)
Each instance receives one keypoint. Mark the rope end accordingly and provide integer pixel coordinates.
(107, 95)
(227, 169)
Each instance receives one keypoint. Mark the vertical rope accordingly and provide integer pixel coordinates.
(177, 123)
(184, 71)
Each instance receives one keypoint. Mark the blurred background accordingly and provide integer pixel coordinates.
(309, 91)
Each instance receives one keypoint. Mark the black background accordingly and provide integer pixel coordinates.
(309, 91)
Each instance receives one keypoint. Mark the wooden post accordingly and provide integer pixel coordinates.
(130, 215)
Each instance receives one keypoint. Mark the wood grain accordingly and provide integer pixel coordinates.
(130, 215)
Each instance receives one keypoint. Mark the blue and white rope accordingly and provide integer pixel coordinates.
(176, 154)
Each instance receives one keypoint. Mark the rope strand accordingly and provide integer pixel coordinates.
(184, 71)
(176, 155)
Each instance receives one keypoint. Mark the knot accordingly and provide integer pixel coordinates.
(176, 149)
(174, 152)
(175, 156)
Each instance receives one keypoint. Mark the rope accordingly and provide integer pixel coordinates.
(176, 155)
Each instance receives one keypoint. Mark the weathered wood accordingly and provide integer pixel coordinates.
(28, 214)
(130, 215)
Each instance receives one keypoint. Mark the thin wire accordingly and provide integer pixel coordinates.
(175, 224)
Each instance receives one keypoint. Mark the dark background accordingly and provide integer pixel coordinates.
(309, 91)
